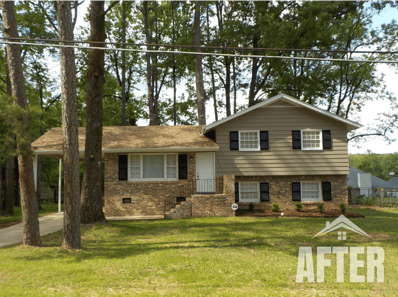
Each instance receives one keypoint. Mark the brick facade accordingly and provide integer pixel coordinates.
(206, 205)
(280, 191)
(147, 198)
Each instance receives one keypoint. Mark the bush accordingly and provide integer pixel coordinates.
(275, 207)
(299, 206)
(251, 206)
(342, 207)
(321, 207)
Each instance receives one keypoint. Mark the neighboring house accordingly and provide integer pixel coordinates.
(365, 183)
(394, 180)
(280, 150)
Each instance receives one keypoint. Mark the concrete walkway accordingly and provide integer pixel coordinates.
(48, 224)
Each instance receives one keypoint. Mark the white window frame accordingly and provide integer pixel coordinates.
(142, 168)
(249, 149)
(252, 200)
(320, 199)
(311, 148)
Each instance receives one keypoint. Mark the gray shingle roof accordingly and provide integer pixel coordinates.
(376, 182)
(393, 180)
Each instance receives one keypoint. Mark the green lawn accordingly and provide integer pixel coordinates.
(235, 256)
(47, 208)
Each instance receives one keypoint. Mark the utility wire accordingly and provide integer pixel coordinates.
(200, 53)
(204, 46)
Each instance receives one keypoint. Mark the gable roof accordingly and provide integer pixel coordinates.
(394, 180)
(351, 125)
(352, 180)
(133, 139)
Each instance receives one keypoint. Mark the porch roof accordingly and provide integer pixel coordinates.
(132, 139)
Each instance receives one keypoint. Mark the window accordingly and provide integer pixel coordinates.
(135, 167)
(311, 139)
(249, 140)
(311, 191)
(249, 192)
(171, 167)
(152, 167)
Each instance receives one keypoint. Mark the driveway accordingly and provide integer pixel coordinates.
(48, 224)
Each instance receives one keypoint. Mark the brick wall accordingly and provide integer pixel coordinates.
(216, 204)
(147, 198)
(281, 191)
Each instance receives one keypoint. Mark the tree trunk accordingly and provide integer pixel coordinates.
(10, 165)
(211, 67)
(10, 186)
(174, 70)
(228, 85)
(234, 79)
(30, 220)
(1, 188)
(200, 93)
(123, 66)
(91, 197)
(72, 239)
(38, 183)
(255, 66)
(152, 118)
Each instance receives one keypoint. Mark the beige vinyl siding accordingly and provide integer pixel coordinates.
(281, 158)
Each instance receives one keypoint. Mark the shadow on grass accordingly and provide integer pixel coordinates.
(128, 239)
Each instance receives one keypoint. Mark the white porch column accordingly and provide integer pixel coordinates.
(59, 185)
(35, 171)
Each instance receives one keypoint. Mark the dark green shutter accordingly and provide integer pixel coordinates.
(296, 193)
(234, 140)
(296, 138)
(327, 191)
(264, 189)
(326, 139)
(182, 166)
(264, 140)
(236, 192)
(123, 159)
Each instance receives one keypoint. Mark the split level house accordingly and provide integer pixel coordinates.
(280, 150)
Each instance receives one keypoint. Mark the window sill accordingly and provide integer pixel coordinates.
(311, 202)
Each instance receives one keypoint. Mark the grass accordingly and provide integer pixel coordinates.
(238, 256)
(47, 208)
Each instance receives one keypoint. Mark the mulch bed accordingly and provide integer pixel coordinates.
(294, 213)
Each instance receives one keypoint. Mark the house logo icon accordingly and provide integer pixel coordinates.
(341, 222)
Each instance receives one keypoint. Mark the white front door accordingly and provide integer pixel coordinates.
(205, 175)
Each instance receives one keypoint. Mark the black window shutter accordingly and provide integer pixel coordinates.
(236, 192)
(326, 139)
(296, 138)
(327, 191)
(182, 166)
(264, 189)
(123, 159)
(296, 193)
(234, 140)
(264, 140)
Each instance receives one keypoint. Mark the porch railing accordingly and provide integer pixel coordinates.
(205, 186)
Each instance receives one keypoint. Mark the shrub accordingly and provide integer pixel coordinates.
(321, 207)
(299, 206)
(342, 207)
(251, 206)
(275, 207)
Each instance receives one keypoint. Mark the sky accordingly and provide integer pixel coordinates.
(369, 112)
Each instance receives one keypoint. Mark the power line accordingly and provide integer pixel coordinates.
(205, 46)
(200, 53)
